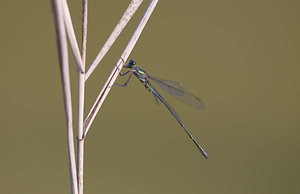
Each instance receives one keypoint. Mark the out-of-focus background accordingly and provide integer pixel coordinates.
(241, 57)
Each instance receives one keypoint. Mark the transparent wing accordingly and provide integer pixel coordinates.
(176, 89)
(158, 96)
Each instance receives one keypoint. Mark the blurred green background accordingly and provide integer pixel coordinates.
(241, 57)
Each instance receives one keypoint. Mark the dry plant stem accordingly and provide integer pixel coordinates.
(133, 6)
(114, 74)
(62, 48)
(72, 37)
(80, 142)
(81, 88)
(84, 30)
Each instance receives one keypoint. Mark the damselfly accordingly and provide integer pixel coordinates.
(173, 88)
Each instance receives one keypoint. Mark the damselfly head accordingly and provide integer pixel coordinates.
(130, 64)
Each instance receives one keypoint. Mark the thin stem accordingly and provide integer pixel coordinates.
(72, 37)
(81, 88)
(80, 141)
(115, 72)
(62, 48)
(84, 30)
(133, 6)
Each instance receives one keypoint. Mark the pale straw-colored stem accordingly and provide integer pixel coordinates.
(81, 94)
(63, 24)
(133, 6)
(62, 48)
(115, 72)
(72, 37)
(80, 141)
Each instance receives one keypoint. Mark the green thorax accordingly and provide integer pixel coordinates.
(141, 74)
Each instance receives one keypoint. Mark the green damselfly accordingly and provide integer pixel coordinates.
(173, 88)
